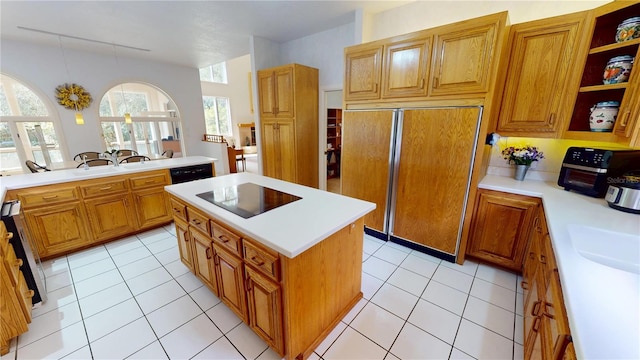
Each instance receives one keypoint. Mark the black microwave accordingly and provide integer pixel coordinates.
(590, 171)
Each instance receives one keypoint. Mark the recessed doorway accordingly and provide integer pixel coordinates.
(333, 106)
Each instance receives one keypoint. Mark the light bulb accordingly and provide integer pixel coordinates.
(79, 119)
(127, 118)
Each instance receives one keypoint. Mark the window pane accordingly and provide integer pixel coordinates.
(9, 160)
(219, 73)
(28, 102)
(105, 107)
(50, 140)
(116, 135)
(223, 116)
(5, 110)
(210, 115)
(205, 74)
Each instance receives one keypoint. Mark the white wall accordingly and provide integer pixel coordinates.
(43, 69)
(421, 15)
(237, 90)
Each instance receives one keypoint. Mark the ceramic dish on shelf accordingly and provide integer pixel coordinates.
(618, 69)
(628, 29)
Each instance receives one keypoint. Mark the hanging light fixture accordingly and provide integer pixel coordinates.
(74, 96)
(127, 115)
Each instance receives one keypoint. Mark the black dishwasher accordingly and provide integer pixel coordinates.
(190, 173)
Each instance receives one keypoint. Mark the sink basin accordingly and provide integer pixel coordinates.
(96, 170)
(609, 248)
(134, 165)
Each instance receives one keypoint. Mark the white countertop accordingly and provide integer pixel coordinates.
(60, 176)
(289, 229)
(603, 303)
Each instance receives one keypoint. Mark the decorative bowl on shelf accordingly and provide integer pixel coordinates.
(628, 29)
(603, 116)
(618, 69)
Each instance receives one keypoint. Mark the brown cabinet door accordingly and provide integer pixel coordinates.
(278, 149)
(284, 93)
(203, 263)
(229, 271)
(366, 142)
(538, 75)
(406, 67)
(152, 207)
(267, 94)
(628, 121)
(184, 244)
(111, 216)
(462, 57)
(501, 227)
(433, 175)
(264, 300)
(58, 229)
(362, 73)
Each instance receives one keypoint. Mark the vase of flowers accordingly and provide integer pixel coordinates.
(522, 157)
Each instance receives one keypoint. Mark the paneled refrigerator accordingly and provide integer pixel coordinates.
(416, 165)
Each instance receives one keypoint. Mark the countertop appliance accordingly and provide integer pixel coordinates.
(416, 165)
(590, 171)
(190, 173)
(31, 267)
(248, 199)
(624, 194)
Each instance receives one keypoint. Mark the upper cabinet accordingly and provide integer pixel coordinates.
(462, 56)
(276, 92)
(449, 62)
(362, 78)
(540, 75)
(604, 46)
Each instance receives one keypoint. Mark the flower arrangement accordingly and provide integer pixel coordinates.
(524, 155)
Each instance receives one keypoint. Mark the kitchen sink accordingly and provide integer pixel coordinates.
(96, 170)
(609, 248)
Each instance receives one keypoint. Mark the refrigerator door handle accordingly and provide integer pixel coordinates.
(394, 158)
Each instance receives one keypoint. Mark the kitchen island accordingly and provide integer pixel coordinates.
(291, 273)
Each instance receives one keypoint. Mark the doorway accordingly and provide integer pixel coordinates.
(333, 109)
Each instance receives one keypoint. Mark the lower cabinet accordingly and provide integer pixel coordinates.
(264, 300)
(501, 227)
(231, 290)
(203, 263)
(184, 243)
(111, 216)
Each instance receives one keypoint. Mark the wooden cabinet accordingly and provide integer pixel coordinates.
(541, 75)
(111, 216)
(58, 229)
(278, 150)
(184, 243)
(288, 97)
(203, 263)
(15, 297)
(546, 327)
(230, 274)
(264, 302)
(463, 54)
(406, 68)
(151, 201)
(363, 64)
(501, 227)
(602, 47)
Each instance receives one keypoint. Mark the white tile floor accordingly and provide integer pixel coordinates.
(134, 299)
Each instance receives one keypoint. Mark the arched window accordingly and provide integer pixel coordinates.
(155, 123)
(27, 131)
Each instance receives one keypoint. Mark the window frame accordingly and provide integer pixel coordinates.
(217, 120)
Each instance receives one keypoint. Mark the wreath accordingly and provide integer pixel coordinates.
(73, 97)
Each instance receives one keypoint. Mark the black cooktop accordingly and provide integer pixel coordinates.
(248, 199)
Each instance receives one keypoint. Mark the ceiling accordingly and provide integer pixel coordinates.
(190, 33)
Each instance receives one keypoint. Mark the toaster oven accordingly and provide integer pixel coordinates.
(590, 171)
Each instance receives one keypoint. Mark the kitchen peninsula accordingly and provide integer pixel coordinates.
(290, 272)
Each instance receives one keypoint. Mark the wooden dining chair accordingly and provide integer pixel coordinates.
(95, 162)
(89, 154)
(135, 158)
(35, 168)
(168, 153)
(126, 152)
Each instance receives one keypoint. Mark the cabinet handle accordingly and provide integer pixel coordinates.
(536, 325)
(552, 118)
(628, 129)
(216, 260)
(422, 83)
(247, 285)
(106, 188)
(625, 120)
(536, 307)
(9, 235)
(436, 82)
(524, 285)
(177, 211)
(30, 293)
(536, 221)
(224, 239)
(49, 197)
(149, 181)
(546, 313)
(196, 221)
(258, 262)
(208, 252)
(375, 87)
(543, 259)
(18, 262)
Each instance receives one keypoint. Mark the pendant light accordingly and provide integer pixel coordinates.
(127, 115)
(79, 118)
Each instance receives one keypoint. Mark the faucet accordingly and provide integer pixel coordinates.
(114, 158)
(84, 162)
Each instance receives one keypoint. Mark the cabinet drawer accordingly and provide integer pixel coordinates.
(262, 260)
(104, 188)
(179, 209)
(31, 199)
(226, 238)
(13, 265)
(198, 220)
(24, 296)
(155, 179)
